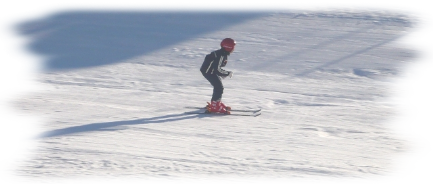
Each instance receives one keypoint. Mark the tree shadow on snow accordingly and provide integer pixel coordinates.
(74, 40)
(112, 126)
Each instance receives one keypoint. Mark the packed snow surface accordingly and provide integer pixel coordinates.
(116, 84)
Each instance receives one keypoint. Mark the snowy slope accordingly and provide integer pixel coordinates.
(322, 79)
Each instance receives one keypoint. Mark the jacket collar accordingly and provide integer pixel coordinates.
(224, 52)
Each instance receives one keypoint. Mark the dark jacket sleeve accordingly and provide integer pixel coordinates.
(212, 64)
(217, 67)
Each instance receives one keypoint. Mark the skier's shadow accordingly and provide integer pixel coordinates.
(112, 126)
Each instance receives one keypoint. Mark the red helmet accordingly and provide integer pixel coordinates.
(228, 44)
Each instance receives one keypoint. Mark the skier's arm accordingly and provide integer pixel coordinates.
(217, 68)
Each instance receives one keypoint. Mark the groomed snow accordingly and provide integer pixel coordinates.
(323, 81)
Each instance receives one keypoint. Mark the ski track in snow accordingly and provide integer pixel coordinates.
(321, 79)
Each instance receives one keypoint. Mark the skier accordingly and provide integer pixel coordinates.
(212, 71)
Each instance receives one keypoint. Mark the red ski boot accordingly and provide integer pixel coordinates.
(217, 107)
(227, 108)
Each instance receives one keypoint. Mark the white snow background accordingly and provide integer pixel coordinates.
(344, 95)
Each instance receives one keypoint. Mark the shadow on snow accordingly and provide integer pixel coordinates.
(109, 126)
(74, 40)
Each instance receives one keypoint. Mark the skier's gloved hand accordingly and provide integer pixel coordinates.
(230, 74)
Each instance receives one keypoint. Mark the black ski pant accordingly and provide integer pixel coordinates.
(218, 87)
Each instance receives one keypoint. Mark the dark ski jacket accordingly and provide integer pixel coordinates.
(213, 62)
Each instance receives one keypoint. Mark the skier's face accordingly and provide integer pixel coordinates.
(232, 50)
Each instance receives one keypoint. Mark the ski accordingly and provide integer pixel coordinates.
(232, 110)
(221, 114)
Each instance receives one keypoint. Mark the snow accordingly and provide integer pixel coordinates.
(112, 96)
